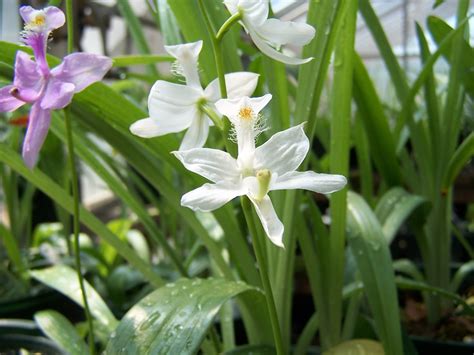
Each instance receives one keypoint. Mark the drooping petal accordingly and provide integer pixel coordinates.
(146, 128)
(58, 94)
(28, 79)
(280, 32)
(54, 18)
(213, 164)
(238, 84)
(7, 101)
(209, 197)
(197, 133)
(272, 52)
(270, 221)
(173, 106)
(38, 125)
(283, 152)
(187, 55)
(82, 69)
(309, 180)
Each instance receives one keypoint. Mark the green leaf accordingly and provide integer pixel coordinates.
(461, 156)
(307, 335)
(439, 30)
(174, 319)
(11, 246)
(129, 60)
(60, 330)
(64, 279)
(408, 284)
(251, 349)
(395, 206)
(394, 69)
(461, 274)
(357, 347)
(376, 124)
(370, 249)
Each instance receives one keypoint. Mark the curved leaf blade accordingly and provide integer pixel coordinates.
(64, 279)
(370, 249)
(61, 331)
(395, 206)
(174, 319)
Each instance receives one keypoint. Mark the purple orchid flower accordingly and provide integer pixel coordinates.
(46, 89)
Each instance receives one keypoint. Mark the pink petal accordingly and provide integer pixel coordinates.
(58, 95)
(28, 79)
(54, 17)
(7, 101)
(38, 125)
(82, 69)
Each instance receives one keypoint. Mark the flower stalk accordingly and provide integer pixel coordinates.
(75, 188)
(260, 255)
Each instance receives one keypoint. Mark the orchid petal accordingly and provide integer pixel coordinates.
(173, 106)
(38, 125)
(197, 133)
(238, 84)
(254, 12)
(272, 52)
(54, 17)
(28, 80)
(231, 107)
(283, 152)
(8, 102)
(210, 197)
(270, 221)
(280, 32)
(215, 165)
(82, 69)
(187, 55)
(58, 95)
(146, 128)
(309, 180)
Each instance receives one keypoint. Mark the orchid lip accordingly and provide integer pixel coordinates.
(15, 92)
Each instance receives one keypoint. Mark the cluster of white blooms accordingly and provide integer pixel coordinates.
(256, 170)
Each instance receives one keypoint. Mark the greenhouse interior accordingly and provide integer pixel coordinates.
(343, 222)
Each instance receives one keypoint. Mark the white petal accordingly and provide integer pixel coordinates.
(270, 221)
(213, 164)
(255, 11)
(280, 32)
(196, 134)
(209, 197)
(146, 128)
(272, 52)
(283, 152)
(187, 55)
(186, 49)
(238, 84)
(173, 106)
(231, 107)
(232, 6)
(309, 180)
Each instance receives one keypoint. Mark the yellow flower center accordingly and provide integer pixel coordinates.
(246, 113)
(38, 20)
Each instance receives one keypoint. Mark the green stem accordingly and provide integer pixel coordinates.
(75, 188)
(259, 253)
(216, 48)
(227, 25)
(213, 116)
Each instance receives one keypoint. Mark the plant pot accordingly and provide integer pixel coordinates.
(426, 346)
(18, 334)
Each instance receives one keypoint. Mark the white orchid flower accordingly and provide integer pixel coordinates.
(175, 107)
(256, 171)
(268, 33)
